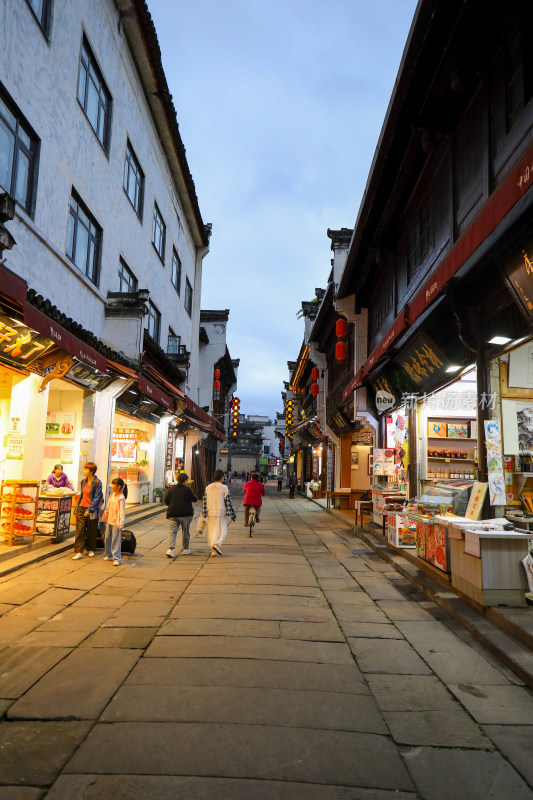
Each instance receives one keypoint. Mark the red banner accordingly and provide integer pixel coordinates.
(62, 338)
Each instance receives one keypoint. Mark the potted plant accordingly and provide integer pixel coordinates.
(158, 494)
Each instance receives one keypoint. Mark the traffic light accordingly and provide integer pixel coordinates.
(7, 212)
(234, 418)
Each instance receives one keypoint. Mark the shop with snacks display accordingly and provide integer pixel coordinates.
(18, 511)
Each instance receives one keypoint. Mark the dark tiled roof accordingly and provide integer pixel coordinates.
(147, 27)
(214, 316)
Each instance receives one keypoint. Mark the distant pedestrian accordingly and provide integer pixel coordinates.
(280, 483)
(115, 516)
(180, 512)
(87, 511)
(217, 507)
(254, 491)
(292, 485)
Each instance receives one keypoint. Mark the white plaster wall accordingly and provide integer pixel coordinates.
(41, 78)
(209, 354)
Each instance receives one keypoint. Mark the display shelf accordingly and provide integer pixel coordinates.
(10, 499)
(451, 458)
(453, 438)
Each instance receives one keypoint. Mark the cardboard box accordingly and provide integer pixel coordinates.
(437, 429)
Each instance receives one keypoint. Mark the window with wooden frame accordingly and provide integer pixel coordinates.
(134, 180)
(19, 149)
(158, 233)
(94, 96)
(84, 239)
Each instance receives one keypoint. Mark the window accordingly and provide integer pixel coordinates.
(19, 148)
(266, 449)
(126, 278)
(176, 271)
(188, 297)
(93, 95)
(154, 321)
(42, 9)
(84, 239)
(158, 233)
(419, 242)
(173, 345)
(134, 180)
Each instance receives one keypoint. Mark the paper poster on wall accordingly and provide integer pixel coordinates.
(6, 380)
(521, 367)
(60, 425)
(15, 446)
(67, 455)
(524, 416)
(123, 450)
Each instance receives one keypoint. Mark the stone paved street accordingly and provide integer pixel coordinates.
(294, 666)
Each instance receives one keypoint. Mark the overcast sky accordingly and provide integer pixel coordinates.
(280, 105)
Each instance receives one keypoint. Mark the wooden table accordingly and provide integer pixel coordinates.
(338, 493)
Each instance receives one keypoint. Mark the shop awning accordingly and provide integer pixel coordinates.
(12, 287)
(199, 418)
(155, 393)
(63, 338)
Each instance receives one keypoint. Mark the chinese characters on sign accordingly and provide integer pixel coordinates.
(20, 345)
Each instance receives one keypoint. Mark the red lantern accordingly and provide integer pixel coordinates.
(216, 385)
(314, 373)
(340, 351)
(340, 327)
(314, 389)
(217, 373)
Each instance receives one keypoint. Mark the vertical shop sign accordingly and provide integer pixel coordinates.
(330, 468)
(170, 449)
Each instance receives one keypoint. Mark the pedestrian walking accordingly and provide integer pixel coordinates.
(292, 485)
(180, 512)
(217, 507)
(253, 493)
(115, 516)
(280, 483)
(87, 510)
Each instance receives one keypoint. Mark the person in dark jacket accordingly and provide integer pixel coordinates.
(292, 485)
(180, 512)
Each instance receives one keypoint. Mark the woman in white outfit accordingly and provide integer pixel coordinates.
(217, 507)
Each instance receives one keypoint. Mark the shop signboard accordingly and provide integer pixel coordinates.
(53, 516)
(62, 338)
(20, 345)
(422, 362)
(339, 422)
(518, 275)
(86, 376)
(170, 449)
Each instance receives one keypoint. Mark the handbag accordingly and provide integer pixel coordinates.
(201, 524)
(128, 542)
(100, 535)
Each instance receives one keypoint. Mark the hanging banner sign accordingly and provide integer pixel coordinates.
(20, 345)
(62, 338)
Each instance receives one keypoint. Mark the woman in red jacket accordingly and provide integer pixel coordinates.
(253, 492)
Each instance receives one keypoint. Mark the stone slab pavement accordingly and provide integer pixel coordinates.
(296, 665)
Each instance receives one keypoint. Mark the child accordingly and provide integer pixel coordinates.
(114, 515)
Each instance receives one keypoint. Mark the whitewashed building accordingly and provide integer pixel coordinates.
(107, 265)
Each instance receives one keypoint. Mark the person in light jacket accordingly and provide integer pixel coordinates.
(179, 500)
(87, 510)
(216, 507)
(114, 515)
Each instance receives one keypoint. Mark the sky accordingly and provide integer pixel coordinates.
(280, 106)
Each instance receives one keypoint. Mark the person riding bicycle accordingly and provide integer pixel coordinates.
(253, 492)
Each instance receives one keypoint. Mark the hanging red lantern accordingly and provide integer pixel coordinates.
(340, 327)
(217, 373)
(314, 389)
(340, 351)
(216, 385)
(314, 373)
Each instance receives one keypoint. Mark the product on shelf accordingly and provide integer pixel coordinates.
(17, 528)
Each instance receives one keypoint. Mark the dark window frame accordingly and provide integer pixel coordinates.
(176, 271)
(158, 224)
(13, 122)
(94, 236)
(126, 278)
(420, 241)
(188, 297)
(154, 316)
(45, 22)
(133, 167)
(88, 65)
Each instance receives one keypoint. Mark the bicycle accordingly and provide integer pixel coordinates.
(251, 518)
